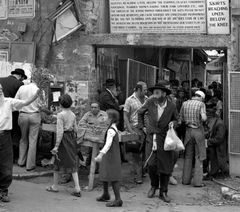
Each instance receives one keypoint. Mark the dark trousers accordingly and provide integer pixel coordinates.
(157, 177)
(6, 161)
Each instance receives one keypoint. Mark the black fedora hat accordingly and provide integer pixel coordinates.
(110, 82)
(160, 86)
(19, 71)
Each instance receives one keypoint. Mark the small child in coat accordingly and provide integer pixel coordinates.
(65, 150)
(110, 162)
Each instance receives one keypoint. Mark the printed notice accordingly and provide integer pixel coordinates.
(218, 16)
(3, 9)
(21, 8)
(158, 16)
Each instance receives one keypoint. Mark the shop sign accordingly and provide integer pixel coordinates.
(218, 16)
(169, 16)
(3, 9)
(21, 8)
(158, 16)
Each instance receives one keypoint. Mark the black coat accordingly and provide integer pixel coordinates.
(107, 101)
(217, 145)
(165, 159)
(10, 85)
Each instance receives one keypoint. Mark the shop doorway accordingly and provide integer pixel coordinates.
(192, 68)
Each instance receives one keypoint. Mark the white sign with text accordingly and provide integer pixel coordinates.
(218, 16)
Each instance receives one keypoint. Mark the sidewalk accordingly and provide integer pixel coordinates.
(21, 172)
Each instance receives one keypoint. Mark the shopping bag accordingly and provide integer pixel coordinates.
(172, 142)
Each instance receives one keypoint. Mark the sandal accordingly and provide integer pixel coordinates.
(51, 189)
(116, 203)
(76, 194)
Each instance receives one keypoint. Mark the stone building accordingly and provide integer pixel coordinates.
(91, 53)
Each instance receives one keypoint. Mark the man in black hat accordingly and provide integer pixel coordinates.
(108, 98)
(161, 114)
(10, 86)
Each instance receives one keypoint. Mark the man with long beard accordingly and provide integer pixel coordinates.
(161, 114)
(7, 106)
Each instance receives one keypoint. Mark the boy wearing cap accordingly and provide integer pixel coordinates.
(193, 114)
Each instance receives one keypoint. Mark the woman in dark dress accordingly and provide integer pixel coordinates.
(65, 150)
(110, 162)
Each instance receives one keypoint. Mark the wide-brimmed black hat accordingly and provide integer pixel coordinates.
(110, 82)
(19, 71)
(161, 87)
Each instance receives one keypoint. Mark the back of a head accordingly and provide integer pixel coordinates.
(113, 115)
(65, 101)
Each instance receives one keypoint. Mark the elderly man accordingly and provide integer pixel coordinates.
(193, 114)
(7, 105)
(161, 113)
(95, 116)
(131, 107)
(216, 141)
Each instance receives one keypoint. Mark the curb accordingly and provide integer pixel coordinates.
(32, 175)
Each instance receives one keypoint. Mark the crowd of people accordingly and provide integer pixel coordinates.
(195, 113)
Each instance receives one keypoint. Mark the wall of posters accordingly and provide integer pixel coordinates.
(21, 8)
(3, 9)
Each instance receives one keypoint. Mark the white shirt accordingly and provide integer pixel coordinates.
(25, 92)
(6, 108)
(161, 109)
(110, 135)
(160, 112)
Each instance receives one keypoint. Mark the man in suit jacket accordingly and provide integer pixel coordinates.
(10, 86)
(216, 140)
(108, 99)
(160, 114)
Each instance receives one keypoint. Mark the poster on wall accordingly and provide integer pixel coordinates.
(21, 8)
(218, 17)
(3, 9)
(78, 90)
(3, 56)
(159, 16)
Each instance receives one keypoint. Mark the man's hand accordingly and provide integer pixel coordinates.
(206, 143)
(99, 157)
(171, 124)
(154, 147)
(54, 151)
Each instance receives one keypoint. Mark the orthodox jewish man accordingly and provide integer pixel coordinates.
(161, 114)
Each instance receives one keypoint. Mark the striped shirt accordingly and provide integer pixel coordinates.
(192, 113)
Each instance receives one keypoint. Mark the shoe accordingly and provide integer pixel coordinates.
(139, 182)
(151, 192)
(76, 194)
(5, 198)
(116, 203)
(164, 197)
(173, 181)
(21, 165)
(200, 186)
(103, 198)
(207, 178)
(32, 169)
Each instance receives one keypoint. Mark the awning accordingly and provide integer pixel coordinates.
(216, 66)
